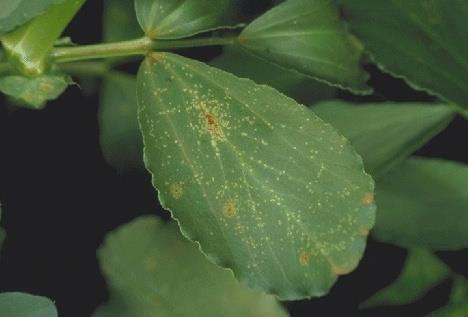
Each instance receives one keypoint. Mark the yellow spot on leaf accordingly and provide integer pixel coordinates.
(177, 190)
(338, 270)
(368, 199)
(364, 232)
(230, 209)
(304, 258)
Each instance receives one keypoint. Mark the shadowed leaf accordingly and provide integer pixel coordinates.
(152, 271)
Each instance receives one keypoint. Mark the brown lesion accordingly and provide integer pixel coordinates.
(304, 258)
(177, 190)
(339, 270)
(211, 120)
(368, 199)
(230, 209)
(212, 124)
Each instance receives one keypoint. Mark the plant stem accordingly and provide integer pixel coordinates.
(133, 47)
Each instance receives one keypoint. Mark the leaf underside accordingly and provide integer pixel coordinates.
(385, 134)
(17, 12)
(265, 187)
(307, 36)
(423, 41)
(173, 19)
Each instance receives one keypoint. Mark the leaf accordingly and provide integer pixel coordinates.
(18, 12)
(384, 134)
(422, 41)
(25, 305)
(28, 47)
(296, 85)
(34, 92)
(307, 36)
(263, 185)
(119, 21)
(164, 19)
(422, 271)
(120, 136)
(452, 310)
(459, 290)
(423, 203)
(152, 271)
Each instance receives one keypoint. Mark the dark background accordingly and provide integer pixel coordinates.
(60, 198)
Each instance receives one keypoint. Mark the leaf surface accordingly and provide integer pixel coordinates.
(119, 21)
(34, 92)
(384, 134)
(307, 36)
(152, 271)
(18, 12)
(423, 41)
(164, 19)
(422, 271)
(265, 186)
(25, 305)
(120, 136)
(424, 203)
(292, 83)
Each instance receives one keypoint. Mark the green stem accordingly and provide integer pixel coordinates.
(133, 47)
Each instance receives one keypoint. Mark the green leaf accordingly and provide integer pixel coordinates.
(296, 85)
(424, 42)
(164, 19)
(120, 137)
(459, 290)
(120, 21)
(34, 92)
(25, 305)
(385, 133)
(423, 203)
(263, 185)
(452, 310)
(152, 271)
(307, 35)
(28, 47)
(17, 12)
(422, 271)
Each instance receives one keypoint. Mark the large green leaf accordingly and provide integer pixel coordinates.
(120, 137)
(34, 92)
(422, 41)
(424, 203)
(385, 133)
(422, 271)
(307, 35)
(119, 21)
(164, 19)
(296, 85)
(25, 305)
(17, 12)
(152, 271)
(265, 186)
